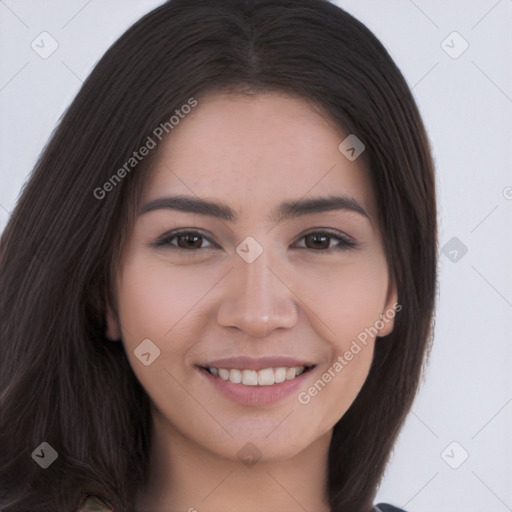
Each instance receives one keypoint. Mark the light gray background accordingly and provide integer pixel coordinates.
(466, 103)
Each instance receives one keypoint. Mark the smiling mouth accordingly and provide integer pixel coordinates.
(264, 377)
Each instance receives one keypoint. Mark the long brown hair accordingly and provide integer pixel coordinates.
(62, 381)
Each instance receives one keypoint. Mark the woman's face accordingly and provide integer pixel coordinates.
(250, 261)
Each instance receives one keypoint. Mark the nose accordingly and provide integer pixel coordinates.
(256, 301)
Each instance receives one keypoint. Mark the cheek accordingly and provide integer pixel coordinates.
(346, 299)
(155, 298)
(345, 303)
(162, 303)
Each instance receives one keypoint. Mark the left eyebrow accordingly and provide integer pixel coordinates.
(298, 208)
(286, 210)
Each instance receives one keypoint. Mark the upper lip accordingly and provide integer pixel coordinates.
(256, 363)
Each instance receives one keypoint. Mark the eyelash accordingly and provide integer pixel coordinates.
(345, 243)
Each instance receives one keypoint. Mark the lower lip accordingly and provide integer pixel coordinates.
(256, 395)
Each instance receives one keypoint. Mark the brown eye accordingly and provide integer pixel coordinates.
(185, 240)
(324, 241)
(317, 241)
(189, 241)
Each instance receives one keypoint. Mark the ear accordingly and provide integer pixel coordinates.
(112, 331)
(390, 309)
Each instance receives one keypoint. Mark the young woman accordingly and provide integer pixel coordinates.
(218, 283)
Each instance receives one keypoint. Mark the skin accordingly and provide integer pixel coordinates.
(251, 152)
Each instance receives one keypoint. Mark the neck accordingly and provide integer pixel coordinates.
(185, 477)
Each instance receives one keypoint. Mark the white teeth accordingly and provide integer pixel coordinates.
(235, 376)
(279, 375)
(265, 377)
(290, 373)
(224, 374)
(250, 377)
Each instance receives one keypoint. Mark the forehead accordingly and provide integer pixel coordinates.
(254, 151)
